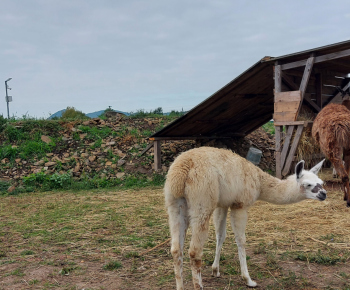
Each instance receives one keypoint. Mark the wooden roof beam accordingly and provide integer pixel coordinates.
(318, 59)
(238, 134)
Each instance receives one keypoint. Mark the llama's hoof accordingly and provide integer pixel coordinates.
(215, 272)
(348, 204)
(252, 284)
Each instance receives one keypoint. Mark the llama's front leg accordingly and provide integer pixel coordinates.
(239, 219)
(200, 229)
(220, 215)
(178, 223)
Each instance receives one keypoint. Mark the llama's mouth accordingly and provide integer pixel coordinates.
(322, 195)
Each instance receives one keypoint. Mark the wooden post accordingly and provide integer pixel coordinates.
(278, 78)
(278, 129)
(278, 151)
(292, 150)
(157, 155)
(305, 80)
(319, 85)
(286, 143)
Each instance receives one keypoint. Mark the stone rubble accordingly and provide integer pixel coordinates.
(120, 155)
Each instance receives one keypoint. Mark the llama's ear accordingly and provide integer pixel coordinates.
(299, 168)
(317, 167)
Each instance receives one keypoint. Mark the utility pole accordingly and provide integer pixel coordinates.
(8, 98)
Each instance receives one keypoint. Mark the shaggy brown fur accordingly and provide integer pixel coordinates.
(331, 130)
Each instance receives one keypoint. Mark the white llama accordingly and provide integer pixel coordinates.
(206, 179)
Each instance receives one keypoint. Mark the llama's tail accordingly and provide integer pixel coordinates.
(177, 177)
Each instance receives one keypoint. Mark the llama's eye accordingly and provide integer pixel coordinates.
(309, 185)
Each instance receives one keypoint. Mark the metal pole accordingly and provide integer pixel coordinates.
(7, 101)
(7, 98)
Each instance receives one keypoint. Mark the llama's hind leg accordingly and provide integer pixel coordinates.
(347, 170)
(178, 223)
(200, 227)
(339, 167)
(220, 215)
(239, 219)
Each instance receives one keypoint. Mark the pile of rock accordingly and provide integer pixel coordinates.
(119, 155)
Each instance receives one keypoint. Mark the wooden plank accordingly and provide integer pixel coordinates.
(294, 147)
(292, 96)
(306, 75)
(294, 64)
(157, 155)
(318, 59)
(286, 106)
(238, 134)
(149, 146)
(278, 78)
(286, 143)
(278, 151)
(305, 123)
(284, 116)
(331, 56)
(312, 103)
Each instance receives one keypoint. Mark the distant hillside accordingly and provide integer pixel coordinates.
(57, 114)
(90, 115)
(99, 113)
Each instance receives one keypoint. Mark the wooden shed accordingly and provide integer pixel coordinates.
(274, 88)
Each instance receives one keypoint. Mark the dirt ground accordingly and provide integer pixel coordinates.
(66, 240)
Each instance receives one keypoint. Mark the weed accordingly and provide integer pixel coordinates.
(33, 282)
(165, 279)
(27, 253)
(67, 270)
(4, 186)
(261, 249)
(269, 127)
(320, 258)
(17, 272)
(132, 255)
(3, 122)
(112, 265)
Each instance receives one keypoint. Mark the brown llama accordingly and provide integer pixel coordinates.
(331, 130)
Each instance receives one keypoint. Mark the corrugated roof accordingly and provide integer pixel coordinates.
(247, 102)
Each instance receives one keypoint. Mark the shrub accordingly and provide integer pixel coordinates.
(158, 111)
(6, 151)
(72, 113)
(3, 122)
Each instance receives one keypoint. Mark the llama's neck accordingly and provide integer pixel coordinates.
(278, 191)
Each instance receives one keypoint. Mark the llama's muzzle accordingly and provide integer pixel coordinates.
(322, 195)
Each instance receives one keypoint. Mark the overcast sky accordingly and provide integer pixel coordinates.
(134, 55)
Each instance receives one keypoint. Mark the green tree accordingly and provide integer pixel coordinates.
(72, 113)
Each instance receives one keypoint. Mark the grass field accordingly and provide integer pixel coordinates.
(104, 240)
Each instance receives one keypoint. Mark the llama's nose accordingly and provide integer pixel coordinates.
(322, 195)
